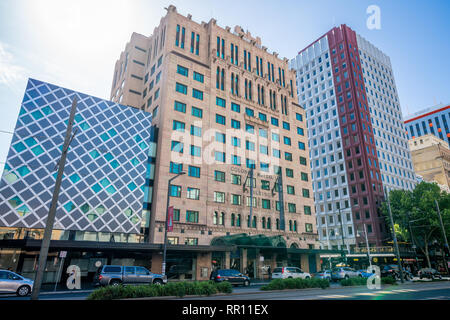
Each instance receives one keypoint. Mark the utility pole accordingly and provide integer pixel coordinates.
(412, 238)
(397, 251)
(52, 212)
(344, 256)
(445, 236)
(163, 271)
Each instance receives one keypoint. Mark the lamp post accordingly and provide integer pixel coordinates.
(397, 251)
(165, 222)
(367, 245)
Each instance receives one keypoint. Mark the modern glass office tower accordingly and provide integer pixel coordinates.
(357, 139)
(104, 184)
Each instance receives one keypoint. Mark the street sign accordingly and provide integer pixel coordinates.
(63, 254)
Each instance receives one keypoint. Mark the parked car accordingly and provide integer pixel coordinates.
(343, 273)
(392, 270)
(11, 282)
(130, 275)
(429, 273)
(289, 272)
(323, 274)
(363, 273)
(233, 276)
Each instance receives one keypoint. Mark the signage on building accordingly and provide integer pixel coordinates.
(63, 254)
(170, 219)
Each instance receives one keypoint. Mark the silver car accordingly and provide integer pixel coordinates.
(11, 282)
(130, 275)
(289, 272)
(344, 273)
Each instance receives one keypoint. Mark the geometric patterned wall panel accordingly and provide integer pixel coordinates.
(104, 176)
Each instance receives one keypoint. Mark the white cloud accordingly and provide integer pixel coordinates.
(10, 73)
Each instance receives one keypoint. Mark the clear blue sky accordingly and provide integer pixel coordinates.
(76, 43)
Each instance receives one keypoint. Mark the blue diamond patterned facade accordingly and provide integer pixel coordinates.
(105, 173)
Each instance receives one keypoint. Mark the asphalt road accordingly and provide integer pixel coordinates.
(407, 291)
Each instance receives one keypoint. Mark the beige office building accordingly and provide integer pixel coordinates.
(431, 159)
(222, 104)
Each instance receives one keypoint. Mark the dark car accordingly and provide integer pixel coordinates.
(233, 276)
(392, 270)
(127, 275)
(429, 273)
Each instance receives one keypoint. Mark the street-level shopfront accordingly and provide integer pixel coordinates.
(183, 262)
(253, 255)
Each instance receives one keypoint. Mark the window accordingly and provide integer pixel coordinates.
(236, 199)
(307, 210)
(196, 131)
(179, 106)
(220, 102)
(194, 171)
(181, 88)
(290, 189)
(176, 167)
(236, 179)
(178, 126)
(235, 107)
(304, 176)
(198, 77)
(193, 193)
(191, 216)
(219, 156)
(196, 112)
(292, 208)
(196, 151)
(235, 124)
(305, 193)
(308, 227)
(289, 173)
(197, 94)
(219, 197)
(220, 119)
(303, 161)
(274, 121)
(236, 142)
(177, 146)
(265, 185)
(219, 176)
(175, 191)
(301, 146)
(182, 70)
(286, 125)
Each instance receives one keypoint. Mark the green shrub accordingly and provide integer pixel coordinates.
(388, 280)
(356, 281)
(297, 283)
(224, 287)
(178, 289)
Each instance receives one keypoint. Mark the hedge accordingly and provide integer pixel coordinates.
(359, 281)
(297, 283)
(178, 289)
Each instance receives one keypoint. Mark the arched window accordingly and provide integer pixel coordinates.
(263, 222)
(269, 223)
(278, 224)
(295, 226)
(233, 219)
(232, 83)
(238, 221)
(222, 219)
(254, 222)
(222, 84)
(237, 85)
(290, 225)
(215, 217)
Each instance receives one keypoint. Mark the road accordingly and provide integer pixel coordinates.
(407, 291)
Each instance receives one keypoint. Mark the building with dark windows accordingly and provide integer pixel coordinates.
(357, 140)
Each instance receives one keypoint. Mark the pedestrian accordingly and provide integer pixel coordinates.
(269, 272)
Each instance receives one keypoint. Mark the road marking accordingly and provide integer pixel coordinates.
(366, 294)
(386, 292)
(334, 296)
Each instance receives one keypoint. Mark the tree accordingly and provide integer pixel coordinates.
(418, 208)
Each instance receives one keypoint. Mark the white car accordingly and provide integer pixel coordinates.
(289, 272)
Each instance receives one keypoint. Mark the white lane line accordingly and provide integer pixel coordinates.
(366, 294)
(334, 296)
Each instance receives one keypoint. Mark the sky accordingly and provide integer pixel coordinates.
(75, 44)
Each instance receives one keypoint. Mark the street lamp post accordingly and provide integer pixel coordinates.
(342, 236)
(367, 245)
(165, 223)
(397, 251)
(445, 236)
